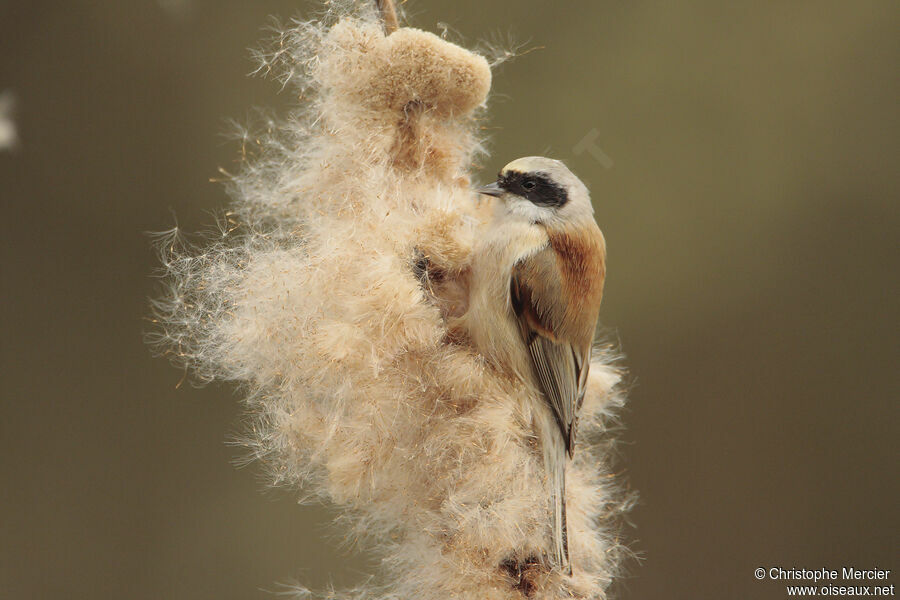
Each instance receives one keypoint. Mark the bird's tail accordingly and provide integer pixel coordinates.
(555, 463)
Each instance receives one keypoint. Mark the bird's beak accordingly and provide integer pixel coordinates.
(492, 189)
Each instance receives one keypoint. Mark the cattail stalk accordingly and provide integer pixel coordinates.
(388, 15)
(342, 256)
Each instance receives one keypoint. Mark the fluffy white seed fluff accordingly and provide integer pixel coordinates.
(9, 138)
(312, 298)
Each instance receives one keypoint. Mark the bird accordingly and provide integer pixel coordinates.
(536, 283)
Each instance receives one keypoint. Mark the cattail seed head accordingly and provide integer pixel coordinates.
(312, 300)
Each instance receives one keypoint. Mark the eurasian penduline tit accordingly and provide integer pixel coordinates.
(534, 298)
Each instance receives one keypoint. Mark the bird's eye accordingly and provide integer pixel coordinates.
(528, 184)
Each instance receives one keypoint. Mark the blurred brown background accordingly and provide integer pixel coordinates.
(744, 163)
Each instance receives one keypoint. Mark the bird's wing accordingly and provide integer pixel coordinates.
(560, 360)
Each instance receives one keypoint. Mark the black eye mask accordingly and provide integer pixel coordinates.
(537, 188)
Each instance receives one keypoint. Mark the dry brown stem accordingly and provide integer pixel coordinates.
(388, 15)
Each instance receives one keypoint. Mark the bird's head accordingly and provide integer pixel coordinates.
(541, 190)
